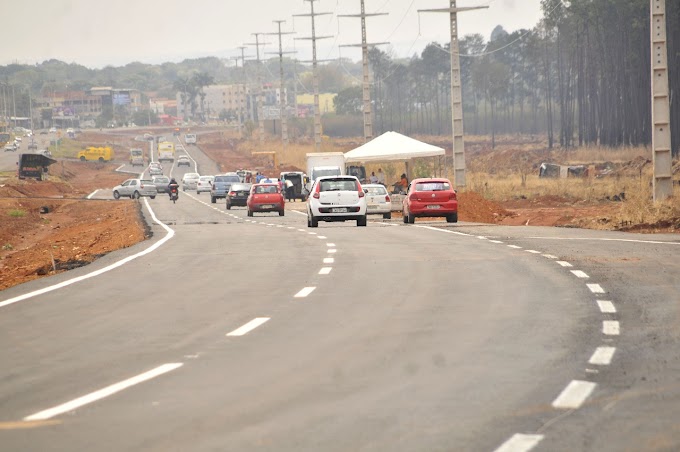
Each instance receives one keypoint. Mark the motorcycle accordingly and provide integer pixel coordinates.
(174, 195)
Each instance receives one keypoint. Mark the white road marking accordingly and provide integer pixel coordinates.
(580, 274)
(304, 292)
(311, 233)
(520, 442)
(299, 213)
(611, 327)
(481, 237)
(595, 288)
(573, 396)
(280, 226)
(564, 264)
(323, 237)
(495, 241)
(655, 242)
(248, 327)
(330, 245)
(325, 270)
(328, 260)
(291, 227)
(104, 392)
(602, 356)
(606, 307)
(533, 251)
(443, 230)
(549, 256)
(332, 250)
(515, 247)
(301, 230)
(168, 236)
(92, 194)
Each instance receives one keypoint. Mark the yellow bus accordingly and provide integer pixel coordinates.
(101, 154)
(166, 151)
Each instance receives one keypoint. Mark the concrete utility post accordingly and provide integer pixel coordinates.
(260, 113)
(368, 113)
(314, 38)
(238, 99)
(284, 101)
(661, 112)
(456, 91)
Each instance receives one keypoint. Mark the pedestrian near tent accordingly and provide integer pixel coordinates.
(373, 178)
(381, 176)
(259, 177)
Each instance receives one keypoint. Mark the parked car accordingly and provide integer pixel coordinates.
(221, 185)
(378, 200)
(430, 197)
(53, 129)
(204, 183)
(155, 169)
(336, 198)
(161, 183)
(189, 181)
(238, 195)
(11, 147)
(183, 160)
(265, 198)
(135, 188)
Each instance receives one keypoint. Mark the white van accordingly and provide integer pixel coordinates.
(190, 138)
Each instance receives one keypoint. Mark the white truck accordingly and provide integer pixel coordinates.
(190, 138)
(324, 164)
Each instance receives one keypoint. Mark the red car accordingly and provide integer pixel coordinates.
(265, 198)
(431, 197)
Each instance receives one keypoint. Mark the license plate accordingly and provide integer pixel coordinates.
(266, 206)
(339, 209)
(433, 206)
(372, 207)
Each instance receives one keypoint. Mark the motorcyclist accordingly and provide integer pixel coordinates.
(173, 185)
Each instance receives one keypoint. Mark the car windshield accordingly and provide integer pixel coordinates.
(205, 178)
(376, 190)
(433, 186)
(338, 185)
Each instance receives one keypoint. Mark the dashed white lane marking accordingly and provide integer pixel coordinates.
(533, 251)
(92, 194)
(520, 442)
(104, 392)
(328, 260)
(564, 264)
(443, 230)
(515, 247)
(332, 250)
(549, 256)
(325, 270)
(168, 236)
(602, 356)
(595, 288)
(495, 241)
(611, 327)
(322, 237)
(311, 233)
(301, 230)
(248, 327)
(481, 237)
(304, 292)
(580, 274)
(606, 307)
(291, 227)
(573, 396)
(330, 245)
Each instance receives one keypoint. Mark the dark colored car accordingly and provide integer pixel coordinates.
(238, 195)
(161, 183)
(430, 197)
(221, 185)
(266, 198)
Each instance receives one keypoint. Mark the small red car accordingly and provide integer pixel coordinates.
(430, 197)
(265, 198)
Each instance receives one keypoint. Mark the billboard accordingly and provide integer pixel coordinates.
(121, 99)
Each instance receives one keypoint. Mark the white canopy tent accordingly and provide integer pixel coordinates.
(392, 146)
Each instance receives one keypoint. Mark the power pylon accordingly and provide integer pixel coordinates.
(284, 101)
(368, 113)
(314, 38)
(456, 91)
(260, 113)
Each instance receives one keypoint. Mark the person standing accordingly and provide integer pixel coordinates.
(381, 176)
(258, 178)
(373, 178)
(290, 190)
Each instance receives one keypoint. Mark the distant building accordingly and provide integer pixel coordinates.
(326, 104)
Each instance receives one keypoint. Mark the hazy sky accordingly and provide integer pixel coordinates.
(98, 34)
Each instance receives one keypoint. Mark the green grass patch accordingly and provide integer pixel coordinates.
(66, 148)
(7, 247)
(17, 213)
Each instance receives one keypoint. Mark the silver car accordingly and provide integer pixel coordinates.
(378, 200)
(189, 181)
(135, 188)
(204, 183)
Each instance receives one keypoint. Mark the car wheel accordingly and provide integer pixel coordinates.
(313, 222)
(116, 195)
(213, 199)
(361, 221)
(136, 195)
(282, 212)
(101, 159)
(82, 159)
(152, 197)
(387, 216)
(452, 218)
(411, 218)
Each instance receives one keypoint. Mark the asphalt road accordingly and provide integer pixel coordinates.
(258, 333)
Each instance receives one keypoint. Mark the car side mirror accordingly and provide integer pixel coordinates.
(366, 190)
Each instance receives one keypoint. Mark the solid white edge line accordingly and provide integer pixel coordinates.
(520, 442)
(573, 396)
(299, 213)
(93, 193)
(564, 263)
(606, 307)
(304, 292)
(602, 356)
(495, 241)
(580, 274)
(248, 327)
(611, 327)
(655, 242)
(102, 393)
(595, 288)
(325, 270)
(168, 236)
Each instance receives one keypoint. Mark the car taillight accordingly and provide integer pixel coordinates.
(361, 191)
(387, 198)
(231, 193)
(452, 196)
(141, 185)
(316, 192)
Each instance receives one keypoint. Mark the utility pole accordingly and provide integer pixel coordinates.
(283, 101)
(314, 38)
(368, 113)
(238, 98)
(456, 91)
(260, 113)
(661, 114)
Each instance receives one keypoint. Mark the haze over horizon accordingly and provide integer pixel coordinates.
(156, 32)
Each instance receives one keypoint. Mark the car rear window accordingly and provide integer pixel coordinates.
(260, 189)
(237, 187)
(433, 186)
(338, 185)
(376, 190)
(227, 179)
(162, 180)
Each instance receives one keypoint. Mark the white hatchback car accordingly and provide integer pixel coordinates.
(336, 198)
(378, 200)
(204, 183)
(189, 181)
